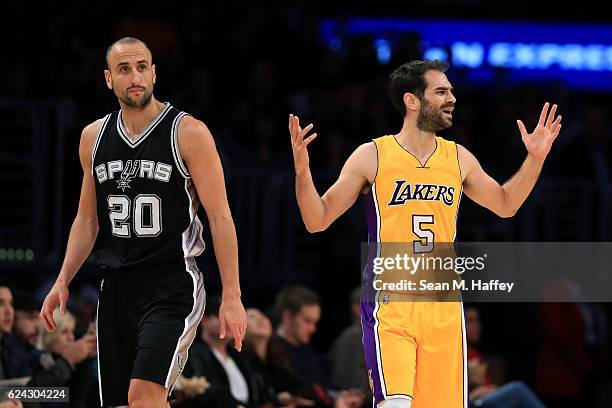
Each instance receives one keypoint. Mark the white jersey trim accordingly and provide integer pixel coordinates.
(134, 143)
(192, 242)
(97, 142)
(192, 321)
(180, 164)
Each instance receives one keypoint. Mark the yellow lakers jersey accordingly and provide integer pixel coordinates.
(414, 202)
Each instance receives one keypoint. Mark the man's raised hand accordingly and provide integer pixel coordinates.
(299, 144)
(539, 142)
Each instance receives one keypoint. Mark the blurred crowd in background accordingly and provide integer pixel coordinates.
(242, 66)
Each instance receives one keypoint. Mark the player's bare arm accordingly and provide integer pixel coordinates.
(82, 233)
(356, 176)
(198, 150)
(507, 199)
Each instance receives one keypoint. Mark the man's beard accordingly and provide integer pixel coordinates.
(133, 103)
(431, 119)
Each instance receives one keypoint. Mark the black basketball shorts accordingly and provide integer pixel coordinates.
(147, 320)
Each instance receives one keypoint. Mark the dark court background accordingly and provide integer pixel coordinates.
(242, 66)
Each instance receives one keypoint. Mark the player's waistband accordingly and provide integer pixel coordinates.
(161, 267)
(386, 296)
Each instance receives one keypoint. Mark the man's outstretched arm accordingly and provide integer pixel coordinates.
(359, 170)
(507, 199)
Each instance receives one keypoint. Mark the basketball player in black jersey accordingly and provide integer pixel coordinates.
(146, 168)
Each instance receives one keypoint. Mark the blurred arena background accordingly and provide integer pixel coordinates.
(242, 66)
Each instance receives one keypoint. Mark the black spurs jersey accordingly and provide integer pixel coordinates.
(147, 202)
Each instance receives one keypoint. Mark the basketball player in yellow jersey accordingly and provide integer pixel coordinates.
(412, 183)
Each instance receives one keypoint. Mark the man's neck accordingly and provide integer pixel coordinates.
(218, 345)
(260, 345)
(283, 333)
(136, 120)
(418, 142)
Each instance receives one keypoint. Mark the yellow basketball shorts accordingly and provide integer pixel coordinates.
(416, 350)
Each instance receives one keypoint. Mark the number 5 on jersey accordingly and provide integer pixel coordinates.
(146, 217)
(426, 243)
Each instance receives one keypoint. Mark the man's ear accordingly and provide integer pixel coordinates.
(108, 79)
(154, 74)
(412, 102)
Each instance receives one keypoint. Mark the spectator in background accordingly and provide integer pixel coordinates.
(564, 365)
(348, 365)
(58, 370)
(482, 392)
(21, 362)
(61, 346)
(223, 368)
(7, 314)
(299, 310)
(266, 374)
(15, 362)
(26, 327)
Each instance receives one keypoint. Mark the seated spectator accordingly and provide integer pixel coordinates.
(299, 310)
(60, 345)
(22, 361)
(565, 369)
(15, 362)
(348, 365)
(7, 314)
(26, 327)
(482, 392)
(255, 350)
(225, 371)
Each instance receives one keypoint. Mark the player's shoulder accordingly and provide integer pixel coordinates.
(89, 136)
(467, 160)
(194, 138)
(90, 132)
(364, 161)
(365, 155)
(190, 125)
(192, 130)
(366, 150)
(463, 153)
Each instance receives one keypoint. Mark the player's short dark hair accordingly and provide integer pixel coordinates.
(124, 40)
(410, 78)
(293, 298)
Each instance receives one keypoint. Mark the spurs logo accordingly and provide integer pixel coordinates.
(144, 169)
(128, 173)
